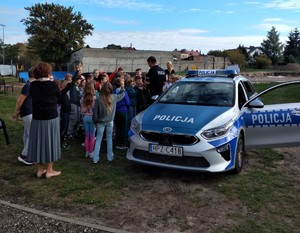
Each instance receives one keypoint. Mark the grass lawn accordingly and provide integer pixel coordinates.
(267, 193)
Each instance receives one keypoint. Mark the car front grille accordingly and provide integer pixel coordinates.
(173, 160)
(169, 139)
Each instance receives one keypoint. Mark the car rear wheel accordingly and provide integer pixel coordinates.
(239, 156)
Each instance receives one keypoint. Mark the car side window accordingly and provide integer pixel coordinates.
(241, 96)
(282, 95)
(250, 90)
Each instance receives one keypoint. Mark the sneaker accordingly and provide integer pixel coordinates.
(22, 159)
(111, 159)
(122, 147)
(65, 147)
(83, 144)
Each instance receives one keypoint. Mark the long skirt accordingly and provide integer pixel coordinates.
(44, 141)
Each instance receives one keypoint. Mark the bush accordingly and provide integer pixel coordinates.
(262, 62)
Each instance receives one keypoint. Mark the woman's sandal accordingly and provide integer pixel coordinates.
(54, 173)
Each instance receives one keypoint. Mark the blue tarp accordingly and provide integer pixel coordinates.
(56, 74)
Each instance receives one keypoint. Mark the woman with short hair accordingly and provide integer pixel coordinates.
(44, 140)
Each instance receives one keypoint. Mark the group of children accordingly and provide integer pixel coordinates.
(89, 102)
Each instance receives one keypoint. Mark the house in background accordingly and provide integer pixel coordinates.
(253, 51)
(189, 55)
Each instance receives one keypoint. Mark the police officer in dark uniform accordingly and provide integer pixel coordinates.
(155, 78)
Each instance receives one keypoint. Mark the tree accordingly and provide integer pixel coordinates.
(216, 53)
(272, 47)
(55, 31)
(113, 46)
(2, 51)
(11, 54)
(25, 59)
(236, 57)
(292, 49)
(243, 50)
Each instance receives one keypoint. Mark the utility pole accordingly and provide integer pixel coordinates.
(2, 25)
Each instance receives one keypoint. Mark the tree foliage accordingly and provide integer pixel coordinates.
(262, 61)
(243, 50)
(292, 49)
(216, 53)
(272, 47)
(236, 57)
(11, 54)
(113, 46)
(55, 31)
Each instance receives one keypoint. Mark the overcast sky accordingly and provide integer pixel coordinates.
(201, 25)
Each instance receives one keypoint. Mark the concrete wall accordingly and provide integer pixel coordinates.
(107, 60)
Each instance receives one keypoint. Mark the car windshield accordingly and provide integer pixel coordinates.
(200, 93)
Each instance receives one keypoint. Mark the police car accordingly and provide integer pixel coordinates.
(206, 121)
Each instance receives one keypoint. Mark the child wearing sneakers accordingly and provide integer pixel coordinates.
(87, 113)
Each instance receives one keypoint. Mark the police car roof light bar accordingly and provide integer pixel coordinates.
(220, 72)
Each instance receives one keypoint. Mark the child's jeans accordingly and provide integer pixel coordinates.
(89, 130)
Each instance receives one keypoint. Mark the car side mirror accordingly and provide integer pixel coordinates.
(256, 103)
(154, 97)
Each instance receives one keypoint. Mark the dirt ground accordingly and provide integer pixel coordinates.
(164, 203)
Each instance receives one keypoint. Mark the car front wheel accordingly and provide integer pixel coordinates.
(239, 156)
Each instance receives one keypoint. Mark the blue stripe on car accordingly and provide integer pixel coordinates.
(230, 138)
(232, 153)
(272, 118)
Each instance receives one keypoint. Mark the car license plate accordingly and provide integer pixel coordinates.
(166, 150)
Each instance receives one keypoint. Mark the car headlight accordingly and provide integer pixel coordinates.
(218, 131)
(135, 126)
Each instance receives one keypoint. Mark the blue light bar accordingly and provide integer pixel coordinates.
(211, 72)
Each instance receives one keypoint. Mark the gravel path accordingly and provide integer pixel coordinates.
(15, 218)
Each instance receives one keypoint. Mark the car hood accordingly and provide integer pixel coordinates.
(185, 119)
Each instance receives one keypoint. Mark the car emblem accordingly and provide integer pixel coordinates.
(167, 129)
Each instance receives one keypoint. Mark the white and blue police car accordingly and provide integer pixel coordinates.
(206, 121)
